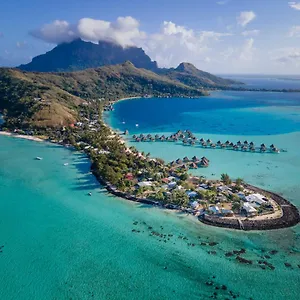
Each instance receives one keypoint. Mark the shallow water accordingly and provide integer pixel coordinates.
(59, 243)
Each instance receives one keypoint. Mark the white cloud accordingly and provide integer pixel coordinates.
(56, 32)
(287, 56)
(124, 31)
(175, 43)
(223, 2)
(21, 44)
(295, 5)
(247, 50)
(294, 31)
(245, 17)
(254, 32)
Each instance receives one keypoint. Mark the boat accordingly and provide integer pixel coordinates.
(136, 125)
(90, 194)
(66, 164)
(38, 158)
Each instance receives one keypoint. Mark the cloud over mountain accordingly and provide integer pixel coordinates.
(124, 31)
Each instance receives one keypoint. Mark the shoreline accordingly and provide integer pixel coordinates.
(290, 215)
(21, 136)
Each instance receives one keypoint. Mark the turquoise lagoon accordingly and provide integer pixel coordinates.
(60, 243)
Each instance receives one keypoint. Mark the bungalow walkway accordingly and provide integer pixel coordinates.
(187, 138)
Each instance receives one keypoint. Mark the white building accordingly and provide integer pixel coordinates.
(257, 198)
(249, 209)
(214, 209)
(145, 184)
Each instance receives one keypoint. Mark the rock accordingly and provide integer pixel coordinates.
(243, 260)
(228, 254)
(224, 287)
(212, 252)
(273, 252)
(213, 244)
(288, 265)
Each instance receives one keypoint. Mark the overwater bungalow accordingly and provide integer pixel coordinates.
(162, 138)
(179, 161)
(192, 143)
(205, 159)
(235, 147)
(223, 146)
(231, 145)
(219, 143)
(173, 163)
(156, 137)
(149, 136)
(193, 166)
(204, 144)
(184, 141)
(251, 144)
(126, 132)
(186, 159)
(134, 136)
(275, 150)
(263, 148)
(137, 139)
(202, 140)
(227, 143)
(239, 143)
(245, 148)
(246, 143)
(213, 145)
(195, 159)
(252, 148)
(209, 141)
(142, 135)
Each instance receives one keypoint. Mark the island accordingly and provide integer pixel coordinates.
(67, 109)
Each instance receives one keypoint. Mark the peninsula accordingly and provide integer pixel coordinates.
(66, 108)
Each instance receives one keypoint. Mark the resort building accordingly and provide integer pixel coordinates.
(249, 209)
(256, 198)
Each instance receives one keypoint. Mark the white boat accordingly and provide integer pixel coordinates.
(38, 158)
(66, 164)
(137, 125)
(90, 194)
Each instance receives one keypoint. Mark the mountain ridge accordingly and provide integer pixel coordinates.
(79, 55)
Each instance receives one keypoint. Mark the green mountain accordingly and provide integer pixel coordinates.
(80, 55)
(52, 99)
(188, 74)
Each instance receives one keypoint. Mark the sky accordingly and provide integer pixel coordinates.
(218, 36)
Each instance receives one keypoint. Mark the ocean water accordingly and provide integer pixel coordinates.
(60, 243)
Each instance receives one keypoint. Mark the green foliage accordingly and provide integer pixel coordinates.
(225, 179)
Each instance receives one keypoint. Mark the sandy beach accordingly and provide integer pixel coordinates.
(21, 136)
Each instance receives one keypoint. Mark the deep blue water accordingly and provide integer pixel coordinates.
(247, 113)
(268, 82)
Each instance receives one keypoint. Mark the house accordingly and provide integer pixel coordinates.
(226, 212)
(144, 184)
(165, 180)
(257, 198)
(224, 188)
(214, 210)
(249, 209)
(204, 186)
(172, 185)
(241, 195)
(194, 204)
(191, 194)
(129, 176)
